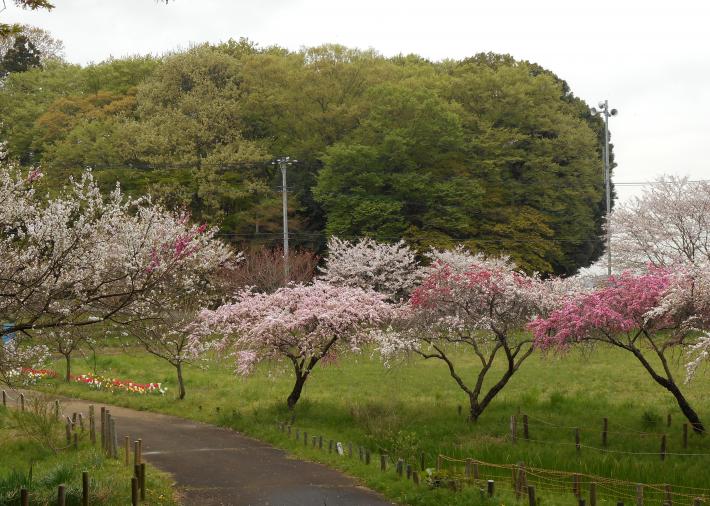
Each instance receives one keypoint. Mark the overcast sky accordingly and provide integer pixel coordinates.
(650, 59)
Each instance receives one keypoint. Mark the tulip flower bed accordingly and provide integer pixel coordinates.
(96, 382)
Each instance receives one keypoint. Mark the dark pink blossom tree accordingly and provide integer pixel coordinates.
(627, 313)
(303, 324)
(481, 305)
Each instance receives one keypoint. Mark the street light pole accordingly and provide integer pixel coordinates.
(284, 163)
(604, 106)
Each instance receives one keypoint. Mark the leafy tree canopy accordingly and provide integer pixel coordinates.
(489, 151)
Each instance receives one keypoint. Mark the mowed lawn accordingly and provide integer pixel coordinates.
(412, 407)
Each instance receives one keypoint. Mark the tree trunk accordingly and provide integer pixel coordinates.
(685, 407)
(670, 385)
(297, 389)
(181, 382)
(476, 409)
(67, 357)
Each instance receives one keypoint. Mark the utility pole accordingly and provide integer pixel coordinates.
(604, 109)
(284, 163)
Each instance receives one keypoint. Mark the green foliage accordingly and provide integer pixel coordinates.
(21, 57)
(488, 151)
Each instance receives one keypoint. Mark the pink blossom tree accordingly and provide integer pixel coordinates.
(482, 306)
(629, 313)
(304, 324)
(391, 269)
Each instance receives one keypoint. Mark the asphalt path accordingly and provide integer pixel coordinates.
(217, 466)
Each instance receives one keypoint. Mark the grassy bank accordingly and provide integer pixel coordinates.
(412, 408)
(32, 458)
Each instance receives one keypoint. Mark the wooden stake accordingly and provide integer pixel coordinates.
(526, 432)
(668, 497)
(468, 469)
(61, 496)
(475, 470)
(663, 447)
(400, 464)
(592, 494)
(491, 488)
(409, 471)
(24, 497)
(134, 491)
(639, 494)
(127, 449)
(85, 488)
(531, 496)
(577, 442)
(367, 457)
(576, 487)
(22, 402)
(605, 431)
(4, 399)
(421, 461)
(383, 462)
(103, 425)
(92, 425)
(56, 410)
(668, 421)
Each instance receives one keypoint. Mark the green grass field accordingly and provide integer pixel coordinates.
(29, 462)
(412, 407)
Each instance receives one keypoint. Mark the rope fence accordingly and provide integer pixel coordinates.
(521, 429)
(522, 480)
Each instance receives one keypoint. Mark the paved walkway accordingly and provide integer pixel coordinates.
(216, 466)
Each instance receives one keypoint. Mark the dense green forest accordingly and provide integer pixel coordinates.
(487, 151)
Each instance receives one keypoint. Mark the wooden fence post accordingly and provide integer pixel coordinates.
(24, 497)
(61, 496)
(531, 496)
(67, 426)
(22, 402)
(314, 440)
(639, 494)
(521, 482)
(400, 463)
(114, 439)
(134, 491)
(4, 399)
(577, 440)
(103, 425)
(526, 432)
(576, 486)
(92, 425)
(330, 446)
(127, 449)
(475, 470)
(668, 496)
(663, 447)
(85, 488)
(468, 469)
(367, 456)
(605, 431)
(421, 461)
(592, 494)
(383, 462)
(320, 442)
(491, 488)
(409, 471)
(56, 410)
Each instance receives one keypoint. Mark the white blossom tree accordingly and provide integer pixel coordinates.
(667, 225)
(390, 269)
(83, 257)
